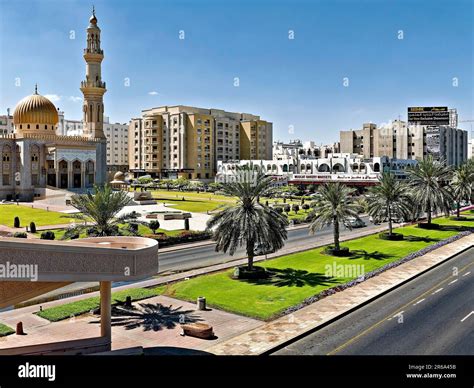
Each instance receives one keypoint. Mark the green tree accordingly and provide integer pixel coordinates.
(461, 185)
(248, 223)
(389, 199)
(102, 209)
(335, 205)
(429, 181)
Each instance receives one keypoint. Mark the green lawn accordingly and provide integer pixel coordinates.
(299, 275)
(5, 330)
(301, 215)
(27, 214)
(193, 205)
(79, 307)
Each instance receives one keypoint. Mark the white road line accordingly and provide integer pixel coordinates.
(438, 290)
(467, 273)
(421, 300)
(454, 281)
(467, 316)
(397, 314)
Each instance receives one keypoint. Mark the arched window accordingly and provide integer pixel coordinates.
(376, 167)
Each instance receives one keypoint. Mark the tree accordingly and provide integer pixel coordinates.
(461, 185)
(154, 225)
(248, 223)
(335, 205)
(296, 208)
(102, 208)
(389, 199)
(429, 183)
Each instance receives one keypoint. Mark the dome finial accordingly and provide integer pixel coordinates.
(93, 10)
(36, 88)
(93, 18)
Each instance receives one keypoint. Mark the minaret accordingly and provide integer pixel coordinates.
(93, 89)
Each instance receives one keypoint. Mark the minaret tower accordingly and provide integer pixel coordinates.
(93, 89)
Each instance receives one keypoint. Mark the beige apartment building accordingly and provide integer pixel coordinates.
(401, 141)
(175, 141)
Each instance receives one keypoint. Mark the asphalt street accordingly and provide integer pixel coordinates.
(430, 315)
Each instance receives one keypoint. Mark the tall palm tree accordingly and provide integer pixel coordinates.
(389, 199)
(248, 223)
(102, 208)
(334, 205)
(461, 185)
(429, 182)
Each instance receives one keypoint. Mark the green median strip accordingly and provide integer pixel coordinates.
(68, 310)
(5, 330)
(302, 275)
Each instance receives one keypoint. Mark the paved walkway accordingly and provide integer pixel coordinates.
(282, 330)
(156, 330)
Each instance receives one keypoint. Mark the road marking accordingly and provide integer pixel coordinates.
(438, 290)
(454, 281)
(345, 344)
(467, 273)
(421, 300)
(467, 316)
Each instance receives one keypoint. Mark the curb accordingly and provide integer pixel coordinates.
(345, 313)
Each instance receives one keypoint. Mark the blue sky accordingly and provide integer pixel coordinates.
(296, 83)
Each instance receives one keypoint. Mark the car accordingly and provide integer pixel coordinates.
(354, 223)
(261, 249)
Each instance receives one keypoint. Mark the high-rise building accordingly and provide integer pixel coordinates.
(401, 141)
(93, 89)
(171, 141)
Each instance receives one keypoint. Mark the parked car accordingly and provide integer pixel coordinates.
(261, 249)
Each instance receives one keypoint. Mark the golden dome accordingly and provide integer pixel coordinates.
(35, 109)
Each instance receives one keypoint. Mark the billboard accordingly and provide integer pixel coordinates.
(433, 142)
(423, 115)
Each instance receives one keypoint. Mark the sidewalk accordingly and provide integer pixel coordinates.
(283, 330)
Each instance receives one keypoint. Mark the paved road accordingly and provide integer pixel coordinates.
(437, 318)
(197, 257)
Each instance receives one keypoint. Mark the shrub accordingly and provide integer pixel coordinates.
(16, 222)
(423, 225)
(154, 225)
(287, 208)
(32, 227)
(305, 207)
(47, 235)
(279, 209)
(133, 227)
(20, 235)
(342, 251)
(296, 208)
(393, 237)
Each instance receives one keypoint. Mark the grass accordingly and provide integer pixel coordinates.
(299, 275)
(68, 310)
(5, 330)
(301, 215)
(26, 214)
(142, 230)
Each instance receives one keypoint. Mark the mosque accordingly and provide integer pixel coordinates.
(35, 158)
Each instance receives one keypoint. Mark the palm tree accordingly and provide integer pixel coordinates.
(389, 199)
(248, 223)
(429, 182)
(461, 185)
(335, 205)
(102, 208)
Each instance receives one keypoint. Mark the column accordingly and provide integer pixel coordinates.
(106, 310)
(69, 175)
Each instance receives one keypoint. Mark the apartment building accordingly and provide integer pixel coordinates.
(401, 141)
(6, 123)
(174, 141)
